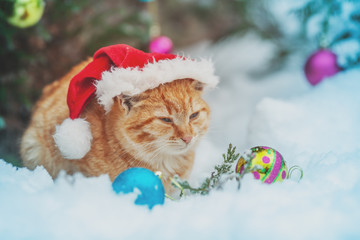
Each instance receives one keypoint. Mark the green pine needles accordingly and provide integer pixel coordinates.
(228, 170)
(222, 171)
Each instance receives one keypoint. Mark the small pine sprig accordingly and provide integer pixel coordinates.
(184, 185)
(214, 181)
(226, 167)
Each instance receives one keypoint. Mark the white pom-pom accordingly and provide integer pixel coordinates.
(73, 138)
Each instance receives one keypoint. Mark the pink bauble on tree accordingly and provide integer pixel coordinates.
(161, 44)
(321, 64)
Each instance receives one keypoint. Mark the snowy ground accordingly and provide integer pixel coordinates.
(314, 127)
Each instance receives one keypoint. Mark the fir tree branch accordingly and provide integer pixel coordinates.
(214, 181)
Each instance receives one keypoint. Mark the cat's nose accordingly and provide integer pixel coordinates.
(187, 139)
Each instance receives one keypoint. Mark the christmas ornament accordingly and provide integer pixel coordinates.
(149, 185)
(26, 13)
(265, 163)
(161, 44)
(319, 65)
(115, 70)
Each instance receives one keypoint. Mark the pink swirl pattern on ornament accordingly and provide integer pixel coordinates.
(266, 159)
(274, 171)
(256, 175)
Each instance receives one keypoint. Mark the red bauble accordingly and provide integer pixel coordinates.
(321, 64)
(161, 44)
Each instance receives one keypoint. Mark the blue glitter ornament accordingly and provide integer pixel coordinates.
(151, 189)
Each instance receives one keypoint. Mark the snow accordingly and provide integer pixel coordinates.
(316, 128)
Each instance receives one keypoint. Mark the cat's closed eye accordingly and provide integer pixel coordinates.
(167, 120)
(194, 115)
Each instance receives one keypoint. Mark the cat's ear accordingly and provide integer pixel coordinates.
(126, 101)
(198, 86)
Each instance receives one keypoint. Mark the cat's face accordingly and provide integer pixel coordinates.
(169, 119)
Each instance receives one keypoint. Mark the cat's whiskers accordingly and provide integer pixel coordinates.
(157, 152)
(126, 154)
(133, 156)
(160, 161)
(165, 162)
(141, 155)
(148, 147)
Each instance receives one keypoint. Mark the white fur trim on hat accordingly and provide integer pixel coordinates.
(73, 138)
(132, 81)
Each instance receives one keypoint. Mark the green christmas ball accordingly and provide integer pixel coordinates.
(26, 13)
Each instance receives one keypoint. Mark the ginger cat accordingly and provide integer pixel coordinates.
(157, 129)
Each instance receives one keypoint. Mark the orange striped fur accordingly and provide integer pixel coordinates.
(158, 129)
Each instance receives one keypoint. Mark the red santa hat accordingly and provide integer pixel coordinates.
(120, 69)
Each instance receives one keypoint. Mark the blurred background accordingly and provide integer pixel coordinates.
(41, 40)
